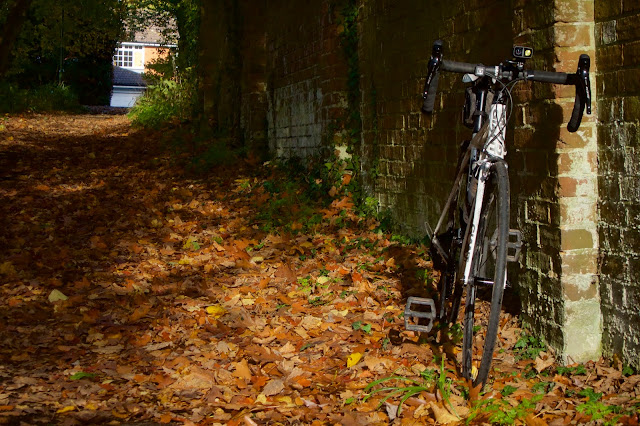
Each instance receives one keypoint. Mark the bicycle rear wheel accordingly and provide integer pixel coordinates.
(488, 270)
(450, 241)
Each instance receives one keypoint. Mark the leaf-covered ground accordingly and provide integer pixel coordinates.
(131, 293)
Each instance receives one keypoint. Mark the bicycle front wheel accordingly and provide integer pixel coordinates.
(488, 272)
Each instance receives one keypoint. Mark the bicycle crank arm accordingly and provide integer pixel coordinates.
(412, 317)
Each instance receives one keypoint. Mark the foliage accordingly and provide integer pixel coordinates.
(572, 370)
(71, 43)
(173, 94)
(49, 97)
(528, 346)
(502, 412)
(397, 388)
(164, 102)
(593, 407)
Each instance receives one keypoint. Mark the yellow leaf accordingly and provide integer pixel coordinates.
(353, 359)
(216, 311)
(66, 409)
(262, 399)
(286, 400)
(323, 280)
(56, 295)
(7, 268)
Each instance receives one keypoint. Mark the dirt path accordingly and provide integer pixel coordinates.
(133, 294)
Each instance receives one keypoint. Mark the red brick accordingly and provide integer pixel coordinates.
(609, 57)
(627, 28)
(608, 8)
(574, 140)
(572, 35)
(574, 10)
(630, 6)
(629, 82)
(567, 186)
(631, 53)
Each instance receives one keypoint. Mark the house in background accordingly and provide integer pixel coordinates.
(130, 60)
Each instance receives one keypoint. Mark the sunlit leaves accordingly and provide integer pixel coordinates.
(181, 308)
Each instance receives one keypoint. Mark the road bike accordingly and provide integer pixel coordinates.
(472, 241)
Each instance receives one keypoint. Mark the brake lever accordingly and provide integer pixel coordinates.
(583, 75)
(434, 65)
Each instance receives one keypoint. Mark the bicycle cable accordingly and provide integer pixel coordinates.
(505, 87)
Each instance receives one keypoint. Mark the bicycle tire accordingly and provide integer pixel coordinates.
(488, 267)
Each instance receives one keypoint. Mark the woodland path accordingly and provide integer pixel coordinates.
(131, 293)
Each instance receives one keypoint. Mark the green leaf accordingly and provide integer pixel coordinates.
(508, 390)
(82, 375)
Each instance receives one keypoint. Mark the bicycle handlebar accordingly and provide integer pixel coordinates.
(508, 73)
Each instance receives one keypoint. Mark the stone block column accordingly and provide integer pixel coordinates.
(578, 190)
(555, 184)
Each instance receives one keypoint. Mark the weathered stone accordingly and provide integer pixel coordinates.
(574, 239)
(583, 330)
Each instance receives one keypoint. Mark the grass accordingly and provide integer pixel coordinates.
(501, 412)
(405, 387)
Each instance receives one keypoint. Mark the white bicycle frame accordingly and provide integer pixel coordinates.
(485, 150)
(492, 149)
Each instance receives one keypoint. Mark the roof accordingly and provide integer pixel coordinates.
(125, 77)
(153, 34)
(150, 34)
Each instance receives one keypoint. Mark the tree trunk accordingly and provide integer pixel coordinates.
(11, 30)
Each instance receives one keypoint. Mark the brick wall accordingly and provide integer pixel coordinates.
(617, 33)
(306, 75)
(288, 90)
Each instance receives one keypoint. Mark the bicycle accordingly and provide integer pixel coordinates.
(472, 242)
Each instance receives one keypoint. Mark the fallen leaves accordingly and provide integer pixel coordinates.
(174, 304)
(353, 359)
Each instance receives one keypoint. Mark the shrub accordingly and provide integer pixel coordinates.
(164, 102)
(48, 97)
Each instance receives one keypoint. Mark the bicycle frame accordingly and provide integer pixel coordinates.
(476, 164)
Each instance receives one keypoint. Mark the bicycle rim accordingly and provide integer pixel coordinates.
(488, 270)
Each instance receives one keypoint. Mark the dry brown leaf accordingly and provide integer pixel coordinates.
(543, 361)
(274, 387)
(442, 415)
(532, 420)
(140, 312)
(242, 370)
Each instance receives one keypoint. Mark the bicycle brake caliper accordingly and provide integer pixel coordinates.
(514, 245)
(412, 317)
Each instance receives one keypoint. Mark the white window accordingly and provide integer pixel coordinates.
(123, 56)
(129, 56)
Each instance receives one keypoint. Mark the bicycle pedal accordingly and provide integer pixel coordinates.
(514, 245)
(411, 314)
